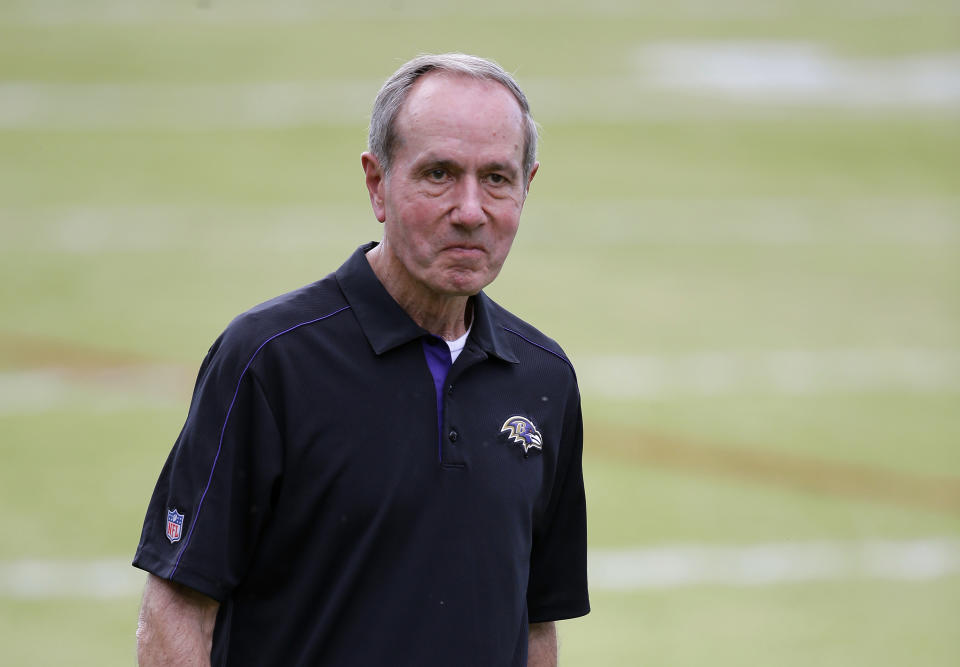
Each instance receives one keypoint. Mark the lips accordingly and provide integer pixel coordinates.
(466, 248)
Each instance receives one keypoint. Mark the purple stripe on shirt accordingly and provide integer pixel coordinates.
(223, 430)
(545, 349)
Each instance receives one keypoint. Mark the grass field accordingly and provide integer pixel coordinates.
(745, 232)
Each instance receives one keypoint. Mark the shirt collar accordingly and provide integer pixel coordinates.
(487, 333)
(386, 325)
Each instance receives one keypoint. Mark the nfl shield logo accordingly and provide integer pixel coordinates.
(174, 525)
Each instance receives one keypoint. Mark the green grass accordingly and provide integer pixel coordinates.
(287, 166)
(69, 632)
(830, 624)
(640, 502)
(73, 481)
(661, 223)
(201, 46)
(894, 431)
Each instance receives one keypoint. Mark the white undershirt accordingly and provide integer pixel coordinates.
(456, 346)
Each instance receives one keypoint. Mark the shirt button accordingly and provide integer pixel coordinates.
(450, 390)
(454, 436)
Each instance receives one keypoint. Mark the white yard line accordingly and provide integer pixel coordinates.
(786, 221)
(620, 570)
(801, 74)
(785, 371)
(86, 229)
(184, 106)
(100, 391)
(622, 377)
(751, 75)
(32, 579)
(674, 566)
(773, 221)
(296, 12)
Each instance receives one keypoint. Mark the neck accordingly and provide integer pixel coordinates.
(442, 315)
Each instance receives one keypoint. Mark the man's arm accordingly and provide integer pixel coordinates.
(542, 645)
(175, 625)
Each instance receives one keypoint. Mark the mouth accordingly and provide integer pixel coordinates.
(465, 249)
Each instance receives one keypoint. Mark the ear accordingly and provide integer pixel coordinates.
(533, 172)
(376, 183)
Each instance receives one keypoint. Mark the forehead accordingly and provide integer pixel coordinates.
(460, 112)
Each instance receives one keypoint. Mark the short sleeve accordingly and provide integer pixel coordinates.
(213, 496)
(558, 563)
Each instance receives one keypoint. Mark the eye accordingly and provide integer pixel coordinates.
(437, 174)
(496, 179)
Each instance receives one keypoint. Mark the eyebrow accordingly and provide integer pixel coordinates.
(500, 166)
(431, 162)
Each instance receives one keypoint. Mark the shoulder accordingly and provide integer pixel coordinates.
(250, 331)
(524, 339)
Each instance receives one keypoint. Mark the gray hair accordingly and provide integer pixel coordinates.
(390, 99)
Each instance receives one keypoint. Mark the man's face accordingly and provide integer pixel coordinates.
(451, 204)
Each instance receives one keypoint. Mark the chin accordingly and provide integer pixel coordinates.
(460, 290)
(462, 285)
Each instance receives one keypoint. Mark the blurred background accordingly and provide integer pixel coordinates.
(745, 232)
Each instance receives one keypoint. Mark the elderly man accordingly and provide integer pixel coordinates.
(383, 467)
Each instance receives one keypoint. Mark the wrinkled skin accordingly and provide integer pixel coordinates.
(451, 203)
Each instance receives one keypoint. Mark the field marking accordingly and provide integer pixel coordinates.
(103, 391)
(752, 75)
(786, 221)
(65, 379)
(76, 377)
(786, 470)
(86, 229)
(114, 13)
(620, 570)
(763, 221)
(183, 105)
(802, 74)
(675, 566)
(781, 371)
(33, 579)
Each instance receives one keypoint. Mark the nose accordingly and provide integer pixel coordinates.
(468, 210)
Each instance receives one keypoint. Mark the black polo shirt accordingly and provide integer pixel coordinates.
(311, 493)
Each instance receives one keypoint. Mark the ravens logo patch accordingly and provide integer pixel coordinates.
(523, 431)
